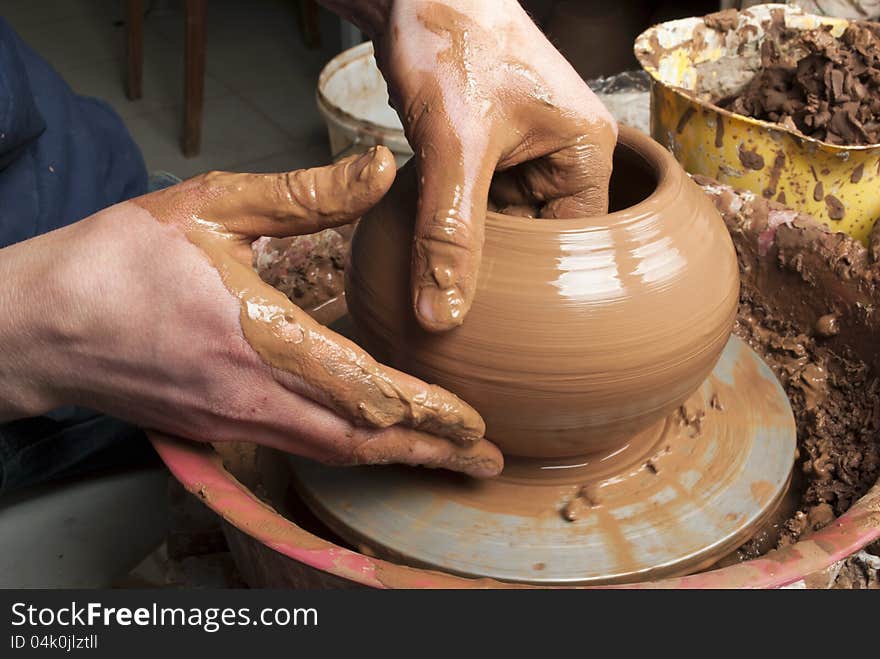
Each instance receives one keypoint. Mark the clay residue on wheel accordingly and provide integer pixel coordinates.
(810, 305)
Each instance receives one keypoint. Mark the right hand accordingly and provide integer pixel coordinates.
(156, 316)
(490, 107)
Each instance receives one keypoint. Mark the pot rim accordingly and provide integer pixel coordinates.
(669, 176)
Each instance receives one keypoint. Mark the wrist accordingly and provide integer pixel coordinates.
(27, 315)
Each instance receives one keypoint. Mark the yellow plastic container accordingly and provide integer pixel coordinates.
(836, 184)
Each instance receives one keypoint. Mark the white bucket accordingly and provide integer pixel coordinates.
(353, 99)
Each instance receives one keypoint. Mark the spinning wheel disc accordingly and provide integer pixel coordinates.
(681, 495)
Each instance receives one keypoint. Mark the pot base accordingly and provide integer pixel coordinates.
(686, 493)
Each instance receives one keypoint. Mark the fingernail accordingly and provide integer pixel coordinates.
(439, 309)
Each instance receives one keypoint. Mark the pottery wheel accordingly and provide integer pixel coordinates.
(684, 494)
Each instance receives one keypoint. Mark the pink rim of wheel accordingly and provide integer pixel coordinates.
(199, 469)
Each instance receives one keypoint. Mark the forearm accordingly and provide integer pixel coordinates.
(372, 16)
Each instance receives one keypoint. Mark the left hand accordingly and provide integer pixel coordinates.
(150, 311)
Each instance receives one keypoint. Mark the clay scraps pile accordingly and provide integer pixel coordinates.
(307, 269)
(831, 93)
(794, 269)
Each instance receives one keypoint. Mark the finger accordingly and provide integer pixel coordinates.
(576, 180)
(302, 201)
(335, 372)
(404, 446)
(448, 237)
(509, 188)
(565, 172)
(294, 424)
(509, 195)
(567, 183)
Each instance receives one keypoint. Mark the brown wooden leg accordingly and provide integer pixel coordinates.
(134, 48)
(196, 13)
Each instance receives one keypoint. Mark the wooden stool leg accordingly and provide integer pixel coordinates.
(134, 48)
(196, 13)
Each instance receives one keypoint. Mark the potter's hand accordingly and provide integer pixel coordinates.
(479, 89)
(150, 311)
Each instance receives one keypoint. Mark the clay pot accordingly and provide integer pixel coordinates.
(583, 332)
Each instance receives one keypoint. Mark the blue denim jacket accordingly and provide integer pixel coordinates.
(62, 156)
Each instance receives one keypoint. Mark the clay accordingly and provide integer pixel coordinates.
(309, 269)
(827, 326)
(775, 174)
(806, 269)
(221, 213)
(861, 571)
(582, 332)
(836, 209)
(750, 159)
(723, 20)
(809, 305)
(791, 277)
(857, 173)
(585, 499)
(811, 82)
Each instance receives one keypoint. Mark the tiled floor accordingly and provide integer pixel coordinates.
(260, 112)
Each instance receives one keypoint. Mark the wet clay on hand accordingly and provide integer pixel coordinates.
(222, 213)
(473, 105)
(583, 332)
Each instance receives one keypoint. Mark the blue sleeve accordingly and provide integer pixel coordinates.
(62, 156)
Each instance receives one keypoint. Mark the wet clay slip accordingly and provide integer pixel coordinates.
(583, 332)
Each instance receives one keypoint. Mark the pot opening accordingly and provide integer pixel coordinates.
(637, 173)
(633, 179)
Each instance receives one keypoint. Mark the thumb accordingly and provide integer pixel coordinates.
(448, 237)
(299, 202)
